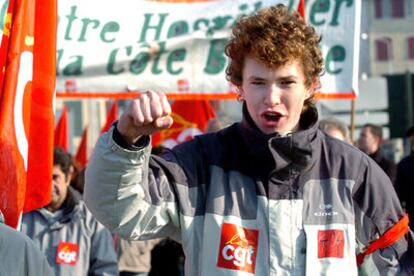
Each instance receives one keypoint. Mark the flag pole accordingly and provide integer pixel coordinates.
(352, 130)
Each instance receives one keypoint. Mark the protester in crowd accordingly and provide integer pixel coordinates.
(167, 258)
(335, 128)
(65, 231)
(19, 256)
(404, 183)
(134, 257)
(370, 140)
(271, 195)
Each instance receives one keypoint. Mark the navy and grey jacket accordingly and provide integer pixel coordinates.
(74, 242)
(245, 203)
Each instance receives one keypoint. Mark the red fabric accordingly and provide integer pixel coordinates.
(5, 40)
(82, 154)
(190, 118)
(111, 117)
(331, 243)
(26, 104)
(61, 131)
(392, 235)
(301, 8)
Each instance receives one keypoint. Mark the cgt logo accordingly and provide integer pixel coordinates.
(67, 253)
(238, 248)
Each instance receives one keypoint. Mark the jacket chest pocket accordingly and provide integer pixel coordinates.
(330, 249)
(329, 225)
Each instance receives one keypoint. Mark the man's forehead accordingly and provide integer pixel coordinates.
(255, 67)
(57, 169)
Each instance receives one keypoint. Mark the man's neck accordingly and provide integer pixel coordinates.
(53, 207)
(373, 151)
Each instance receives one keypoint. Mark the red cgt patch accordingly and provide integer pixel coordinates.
(238, 248)
(67, 253)
(331, 244)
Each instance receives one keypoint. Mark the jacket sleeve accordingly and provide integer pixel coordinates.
(377, 212)
(131, 193)
(103, 259)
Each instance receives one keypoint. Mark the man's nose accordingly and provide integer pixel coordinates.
(272, 95)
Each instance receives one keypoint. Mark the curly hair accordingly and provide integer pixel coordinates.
(274, 36)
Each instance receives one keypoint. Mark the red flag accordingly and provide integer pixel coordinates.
(190, 119)
(111, 117)
(61, 131)
(82, 154)
(26, 104)
(301, 8)
(5, 40)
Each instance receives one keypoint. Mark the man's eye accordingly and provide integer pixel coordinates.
(257, 82)
(289, 82)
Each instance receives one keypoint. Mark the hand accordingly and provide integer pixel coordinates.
(145, 115)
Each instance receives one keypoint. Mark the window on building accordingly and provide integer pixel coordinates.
(378, 8)
(411, 47)
(397, 8)
(409, 9)
(384, 49)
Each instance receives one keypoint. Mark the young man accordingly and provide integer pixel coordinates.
(271, 195)
(65, 231)
(369, 142)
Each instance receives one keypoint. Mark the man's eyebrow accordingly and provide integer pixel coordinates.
(281, 78)
(288, 77)
(256, 78)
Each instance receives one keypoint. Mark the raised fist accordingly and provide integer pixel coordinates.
(145, 115)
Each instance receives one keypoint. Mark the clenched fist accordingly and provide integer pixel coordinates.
(145, 115)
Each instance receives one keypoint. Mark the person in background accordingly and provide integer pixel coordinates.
(369, 142)
(19, 256)
(335, 128)
(167, 258)
(271, 195)
(66, 232)
(134, 257)
(404, 183)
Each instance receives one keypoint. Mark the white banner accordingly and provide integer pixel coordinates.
(173, 46)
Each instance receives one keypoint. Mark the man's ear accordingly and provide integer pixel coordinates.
(68, 179)
(240, 94)
(378, 140)
(313, 87)
(70, 175)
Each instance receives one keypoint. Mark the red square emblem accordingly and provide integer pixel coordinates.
(238, 248)
(331, 244)
(67, 253)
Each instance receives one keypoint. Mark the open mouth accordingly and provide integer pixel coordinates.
(272, 116)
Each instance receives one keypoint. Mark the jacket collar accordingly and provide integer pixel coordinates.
(70, 202)
(291, 153)
(67, 211)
